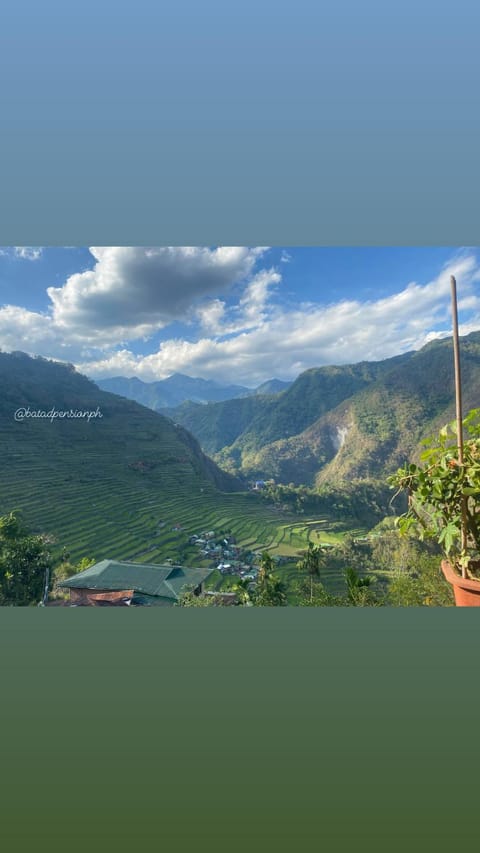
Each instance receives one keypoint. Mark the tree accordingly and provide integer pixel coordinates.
(320, 598)
(353, 554)
(270, 591)
(311, 563)
(412, 570)
(188, 598)
(358, 592)
(243, 591)
(66, 570)
(421, 586)
(24, 561)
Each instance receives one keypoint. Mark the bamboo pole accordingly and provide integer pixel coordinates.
(458, 404)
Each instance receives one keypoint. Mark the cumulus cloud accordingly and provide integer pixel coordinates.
(36, 334)
(131, 292)
(289, 342)
(245, 334)
(17, 325)
(212, 317)
(250, 312)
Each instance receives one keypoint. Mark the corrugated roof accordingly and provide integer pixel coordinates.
(164, 581)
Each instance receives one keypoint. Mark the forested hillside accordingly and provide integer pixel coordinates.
(336, 423)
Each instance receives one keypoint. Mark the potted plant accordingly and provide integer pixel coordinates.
(444, 504)
(444, 493)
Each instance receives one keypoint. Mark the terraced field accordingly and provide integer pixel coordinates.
(129, 485)
(110, 512)
(133, 517)
(107, 510)
(102, 515)
(124, 514)
(97, 506)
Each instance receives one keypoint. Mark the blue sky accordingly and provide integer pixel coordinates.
(229, 313)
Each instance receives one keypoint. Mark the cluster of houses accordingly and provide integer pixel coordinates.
(223, 551)
(227, 557)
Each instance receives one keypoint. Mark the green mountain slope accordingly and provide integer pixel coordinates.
(103, 487)
(238, 429)
(385, 425)
(216, 425)
(336, 423)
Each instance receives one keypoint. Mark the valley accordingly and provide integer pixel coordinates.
(129, 486)
(136, 485)
(338, 423)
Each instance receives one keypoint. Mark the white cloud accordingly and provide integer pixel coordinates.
(28, 253)
(255, 297)
(26, 330)
(289, 342)
(131, 292)
(250, 312)
(212, 317)
(36, 334)
(245, 336)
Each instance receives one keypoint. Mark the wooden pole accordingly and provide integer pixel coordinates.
(458, 403)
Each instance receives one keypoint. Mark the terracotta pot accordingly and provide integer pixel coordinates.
(466, 591)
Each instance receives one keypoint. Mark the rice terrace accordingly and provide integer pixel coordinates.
(215, 411)
(101, 513)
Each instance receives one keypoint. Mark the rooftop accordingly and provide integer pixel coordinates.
(166, 582)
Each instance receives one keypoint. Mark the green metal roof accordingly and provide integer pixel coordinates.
(163, 581)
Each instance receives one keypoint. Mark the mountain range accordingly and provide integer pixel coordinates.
(332, 424)
(178, 388)
(338, 423)
(124, 483)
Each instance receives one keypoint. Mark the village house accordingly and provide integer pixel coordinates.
(117, 583)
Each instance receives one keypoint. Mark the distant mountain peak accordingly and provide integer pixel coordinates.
(272, 386)
(172, 391)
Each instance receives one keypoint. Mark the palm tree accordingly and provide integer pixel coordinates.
(312, 562)
(356, 585)
(270, 591)
(243, 591)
